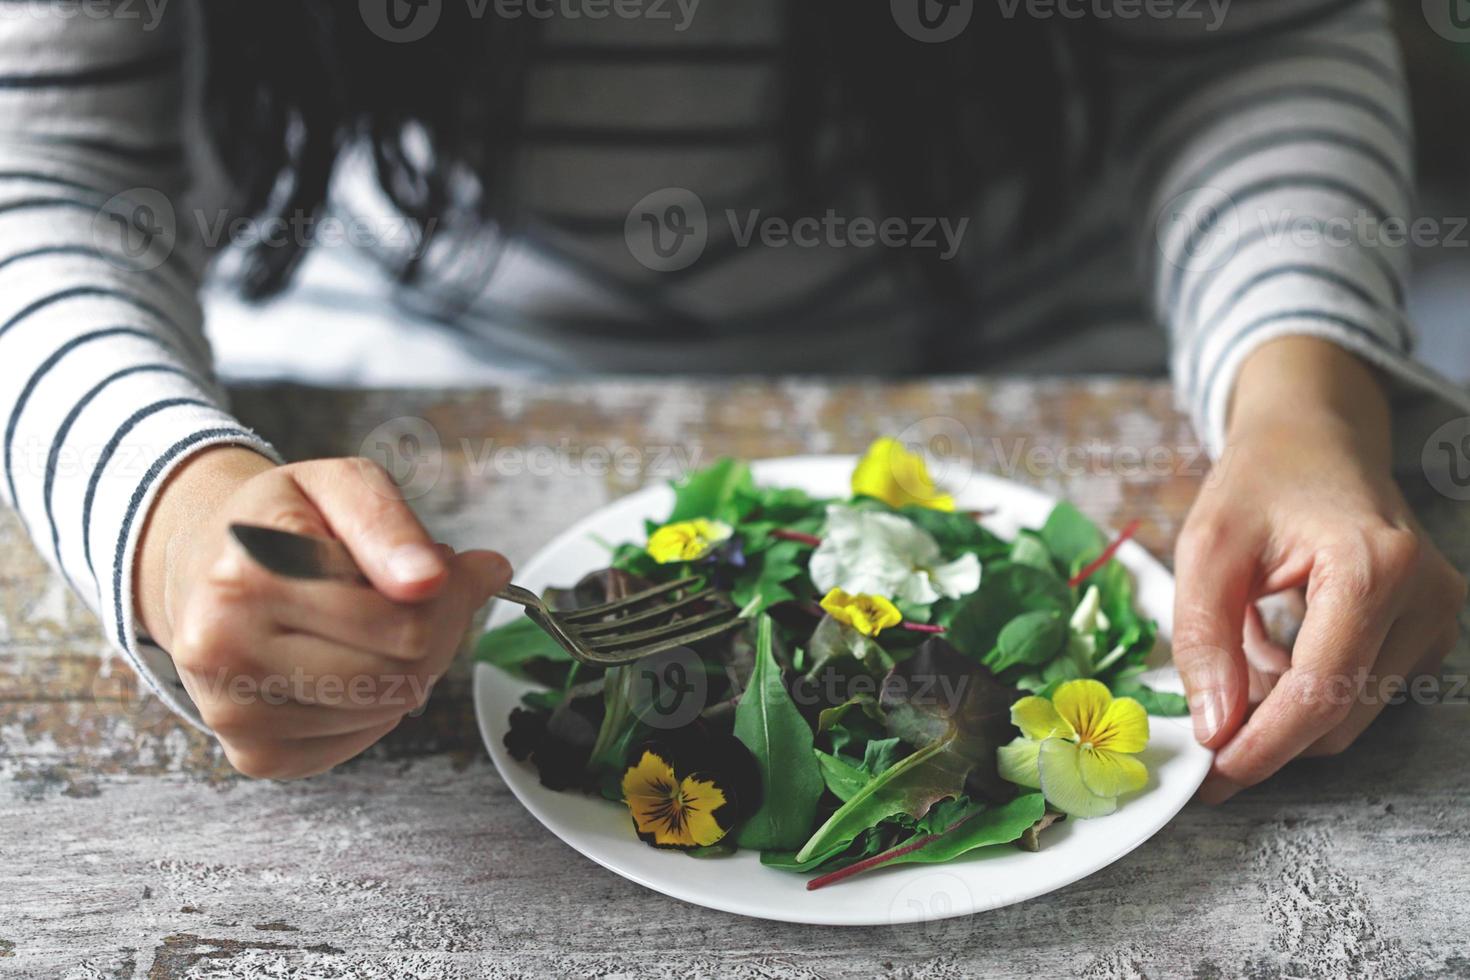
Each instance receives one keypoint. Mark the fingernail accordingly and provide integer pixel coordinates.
(1208, 709)
(415, 563)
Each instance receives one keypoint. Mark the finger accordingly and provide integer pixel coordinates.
(1406, 644)
(320, 672)
(271, 711)
(301, 758)
(1432, 664)
(1342, 634)
(1265, 659)
(407, 632)
(365, 510)
(1216, 575)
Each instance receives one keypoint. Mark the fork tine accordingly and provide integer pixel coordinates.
(660, 609)
(603, 609)
(617, 657)
(675, 628)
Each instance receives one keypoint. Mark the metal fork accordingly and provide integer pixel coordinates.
(665, 616)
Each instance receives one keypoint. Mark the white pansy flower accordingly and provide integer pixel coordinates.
(868, 551)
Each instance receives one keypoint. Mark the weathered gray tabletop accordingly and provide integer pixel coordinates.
(130, 850)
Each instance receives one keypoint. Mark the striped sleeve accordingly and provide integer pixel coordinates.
(105, 376)
(1271, 146)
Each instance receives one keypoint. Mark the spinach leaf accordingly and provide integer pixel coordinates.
(956, 731)
(1031, 639)
(711, 492)
(519, 642)
(1072, 538)
(768, 723)
(841, 777)
(961, 826)
(1029, 549)
(1006, 591)
(1163, 703)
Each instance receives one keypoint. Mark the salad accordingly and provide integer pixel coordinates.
(905, 685)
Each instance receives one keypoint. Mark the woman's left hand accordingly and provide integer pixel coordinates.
(1304, 498)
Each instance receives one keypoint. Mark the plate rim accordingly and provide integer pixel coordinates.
(521, 781)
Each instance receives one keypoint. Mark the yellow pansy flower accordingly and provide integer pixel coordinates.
(672, 812)
(898, 477)
(868, 614)
(1078, 748)
(687, 540)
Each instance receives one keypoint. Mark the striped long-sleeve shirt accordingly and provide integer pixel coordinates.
(1258, 152)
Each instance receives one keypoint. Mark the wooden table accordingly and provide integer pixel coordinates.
(128, 848)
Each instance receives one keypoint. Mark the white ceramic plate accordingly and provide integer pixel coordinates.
(989, 879)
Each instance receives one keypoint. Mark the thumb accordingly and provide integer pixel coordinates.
(364, 509)
(1213, 591)
(482, 574)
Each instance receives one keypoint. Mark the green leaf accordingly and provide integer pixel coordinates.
(711, 492)
(765, 584)
(957, 532)
(768, 724)
(1071, 537)
(620, 728)
(1163, 703)
(1029, 549)
(841, 777)
(829, 718)
(1031, 639)
(517, 643)
(965, 733)
(1006, 591)
(880, 753)
(964, 827)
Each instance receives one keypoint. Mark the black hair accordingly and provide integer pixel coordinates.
(291, 83)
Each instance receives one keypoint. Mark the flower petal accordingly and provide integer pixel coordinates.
(959, 578)
(1061, 781)
(701, 799)
(1037, 718)
(1018, 762)
(1123, 727)
(1083, 703)
(1110, 774)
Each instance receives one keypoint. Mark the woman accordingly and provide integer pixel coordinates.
(1099, 168)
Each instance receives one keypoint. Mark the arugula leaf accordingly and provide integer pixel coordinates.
(517, 643)
(1031, 639)
(881, 753)
(764, 584)
(1072, 538)
(768, 723)
(712, 491)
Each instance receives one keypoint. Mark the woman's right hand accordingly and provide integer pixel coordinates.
(296, 676)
